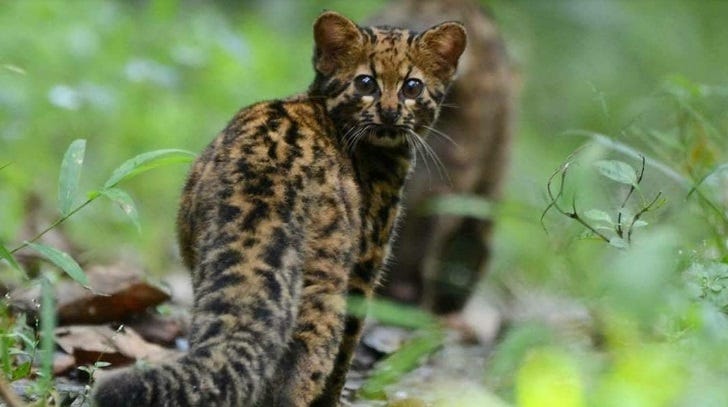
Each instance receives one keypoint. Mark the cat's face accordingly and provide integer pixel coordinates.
(383, 85)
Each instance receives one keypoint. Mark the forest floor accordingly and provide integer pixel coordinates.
(124, 319)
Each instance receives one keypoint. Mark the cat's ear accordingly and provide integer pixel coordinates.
(338, 42)
(442, 46)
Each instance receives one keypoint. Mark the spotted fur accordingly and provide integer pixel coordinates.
(286, 212)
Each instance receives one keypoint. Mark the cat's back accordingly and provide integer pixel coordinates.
(268, 154)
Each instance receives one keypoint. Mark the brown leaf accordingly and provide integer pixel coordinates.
(89, 344)
(159, 329)
(62, 363)
(118, 292)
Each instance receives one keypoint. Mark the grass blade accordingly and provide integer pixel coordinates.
(391, 313)
(147, 161)
(405, 359)
(61, 259)
(126, 203)
(70, 175)
(47, 328)
(7, 256)
(459, 205)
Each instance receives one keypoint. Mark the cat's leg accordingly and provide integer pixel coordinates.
(302, 372)
(361, 285)
(336, 380)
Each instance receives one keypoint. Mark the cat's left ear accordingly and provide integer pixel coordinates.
(442, 46)
(338, 42)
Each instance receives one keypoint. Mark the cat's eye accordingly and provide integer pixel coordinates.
(365, 84)
(412, 88)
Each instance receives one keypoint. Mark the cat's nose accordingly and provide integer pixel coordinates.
(389, 116)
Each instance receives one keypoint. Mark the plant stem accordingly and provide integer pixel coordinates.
(53, 225)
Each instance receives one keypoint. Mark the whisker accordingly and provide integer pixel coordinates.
(441, 134)
(354, 139)
(348, 136)
(413, 141)
(366, 131)
(442, 170)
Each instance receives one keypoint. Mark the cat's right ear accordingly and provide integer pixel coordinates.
(338, 42)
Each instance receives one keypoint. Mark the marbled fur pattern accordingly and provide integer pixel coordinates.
(290, 209)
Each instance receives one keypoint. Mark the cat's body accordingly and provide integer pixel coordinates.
(290, 210)
(440, 258)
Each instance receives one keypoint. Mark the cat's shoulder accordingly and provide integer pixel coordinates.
(294, 108)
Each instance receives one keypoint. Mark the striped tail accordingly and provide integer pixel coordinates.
(216, 380)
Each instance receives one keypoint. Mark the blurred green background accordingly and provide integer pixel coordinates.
(133, 76)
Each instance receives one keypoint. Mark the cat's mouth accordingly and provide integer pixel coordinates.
(391, 132)
(388, 135)
(377, 135)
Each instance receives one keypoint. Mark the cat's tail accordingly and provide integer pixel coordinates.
(186, 382)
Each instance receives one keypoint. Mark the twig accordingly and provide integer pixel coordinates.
(7, 394)
(619, 230)
(574, 214)
(640, 213)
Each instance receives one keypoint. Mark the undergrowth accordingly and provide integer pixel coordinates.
(638, 225)
(27, 352)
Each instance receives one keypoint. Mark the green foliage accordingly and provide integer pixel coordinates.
(70, 173)
(460, 205)
(7, 256)
(409, 356)
(145, 162)
(617, 171)
(391, 313)
(16, 345)
(47, 336)
(659, 298)
(63, 260)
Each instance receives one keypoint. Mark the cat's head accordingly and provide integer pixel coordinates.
(383, 85)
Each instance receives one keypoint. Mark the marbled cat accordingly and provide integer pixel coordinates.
(287, 212)
(438, 260)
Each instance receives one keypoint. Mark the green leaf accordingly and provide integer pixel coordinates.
(618, 242)
(459, 205)
(70, 175)
(597, 215)
(405, 359)
(21, 371)
(125, 202)
(62, 260)
(147, 161)
(617, 171)
(639, 224)
(7, 256)
(14, 68)
(390, 313)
